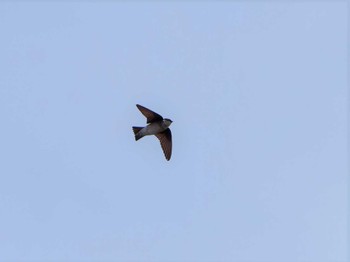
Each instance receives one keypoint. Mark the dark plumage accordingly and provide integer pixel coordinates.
(156, 126)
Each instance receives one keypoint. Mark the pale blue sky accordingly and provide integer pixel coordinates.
(258, 96)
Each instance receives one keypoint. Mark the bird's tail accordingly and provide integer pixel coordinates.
(136, 132)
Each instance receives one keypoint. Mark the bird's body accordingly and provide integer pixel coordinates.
(151, 129)
(156, 126)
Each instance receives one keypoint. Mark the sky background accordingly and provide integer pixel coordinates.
(258, 96)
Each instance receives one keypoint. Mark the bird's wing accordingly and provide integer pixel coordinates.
(166, 143)
(149, 114)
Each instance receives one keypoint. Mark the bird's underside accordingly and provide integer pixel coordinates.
(156, 126)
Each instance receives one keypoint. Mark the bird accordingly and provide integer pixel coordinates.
(158, 126)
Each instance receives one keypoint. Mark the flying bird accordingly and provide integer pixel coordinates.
(158, 126)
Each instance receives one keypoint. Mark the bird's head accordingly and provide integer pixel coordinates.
(167, 121)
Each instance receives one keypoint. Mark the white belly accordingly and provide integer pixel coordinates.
(152, 129)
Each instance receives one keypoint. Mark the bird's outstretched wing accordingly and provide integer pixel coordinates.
(149, 114)
(166, 143)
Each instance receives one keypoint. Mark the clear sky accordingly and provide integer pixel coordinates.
(258, 96)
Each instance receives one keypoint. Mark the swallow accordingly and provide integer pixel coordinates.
(158, 126)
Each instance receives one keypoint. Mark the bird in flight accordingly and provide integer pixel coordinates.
(158, 126)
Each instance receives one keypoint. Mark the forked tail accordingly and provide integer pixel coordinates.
(136, 132)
